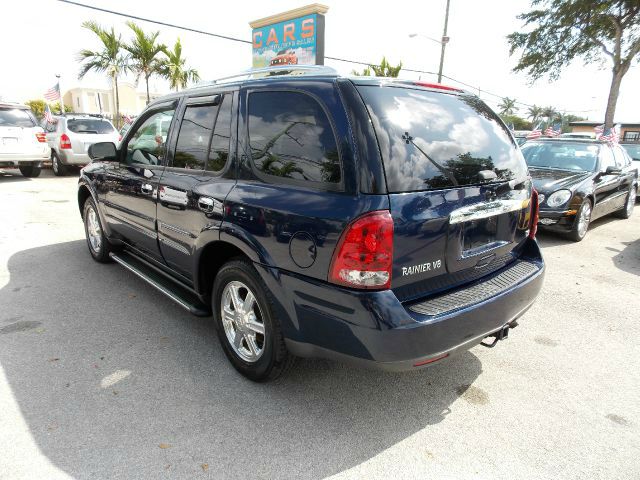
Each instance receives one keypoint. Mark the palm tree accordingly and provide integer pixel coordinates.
(144, 53)
(385, 69)
(549, 113)
(109, 59)
(534, 113)
(508, 106)
(173, 68)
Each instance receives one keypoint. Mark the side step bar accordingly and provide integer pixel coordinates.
(181, 295)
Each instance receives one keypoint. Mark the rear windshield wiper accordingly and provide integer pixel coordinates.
(445, 171)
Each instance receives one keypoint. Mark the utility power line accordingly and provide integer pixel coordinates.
(240, 40)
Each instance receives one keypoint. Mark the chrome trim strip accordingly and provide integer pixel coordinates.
(479, 211)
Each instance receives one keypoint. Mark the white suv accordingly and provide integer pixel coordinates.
(23, 143)
(71, 135)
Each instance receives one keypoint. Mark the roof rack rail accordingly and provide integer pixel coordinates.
(267, 71)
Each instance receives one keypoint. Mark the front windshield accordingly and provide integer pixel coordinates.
(561, 155)
(633, 151)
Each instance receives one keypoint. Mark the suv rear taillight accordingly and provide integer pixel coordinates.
(533, 216)
(65, 141)
(364, 255)
(41, 137)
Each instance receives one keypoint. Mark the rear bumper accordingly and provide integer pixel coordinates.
(17, 159)
(67, 157)
(374, 329)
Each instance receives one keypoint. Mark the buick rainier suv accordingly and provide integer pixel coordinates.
(384, 222)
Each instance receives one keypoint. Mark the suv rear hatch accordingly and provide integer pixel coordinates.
(458, 185)
(84, 132)
(17, 131)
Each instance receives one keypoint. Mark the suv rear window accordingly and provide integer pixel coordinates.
(434, 140)
(89, 125)
(16, 117)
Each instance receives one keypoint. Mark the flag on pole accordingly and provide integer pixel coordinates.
(47, 114)
(535, 133)
(53, 93)
(611, 135)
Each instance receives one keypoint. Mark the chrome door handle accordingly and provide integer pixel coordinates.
(205, 204)
(146, 188)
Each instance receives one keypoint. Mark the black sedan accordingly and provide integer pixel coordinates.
(579, 181)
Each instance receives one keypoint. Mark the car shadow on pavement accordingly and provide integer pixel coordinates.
(115, 381)
(628, 259)
(549, 238)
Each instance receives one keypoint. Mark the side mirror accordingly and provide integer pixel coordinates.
(613, 171)
(105, 151)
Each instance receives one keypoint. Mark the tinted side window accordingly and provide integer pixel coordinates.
(147, 144)
(194, 136)
(219, 152)
(291, 137)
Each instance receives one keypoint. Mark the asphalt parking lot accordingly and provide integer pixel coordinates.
(103, 377)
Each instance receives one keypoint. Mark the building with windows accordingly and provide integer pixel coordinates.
(629, 132)
(102, 100)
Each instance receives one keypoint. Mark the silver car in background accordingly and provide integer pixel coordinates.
(71, 135)
(23, 143)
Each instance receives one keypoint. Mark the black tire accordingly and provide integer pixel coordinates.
(56, 165)
(274, 359)
(98, 253)
(629, 202)
(578, 233)
(30, 171)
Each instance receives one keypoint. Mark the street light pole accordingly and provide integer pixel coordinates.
(444, 43)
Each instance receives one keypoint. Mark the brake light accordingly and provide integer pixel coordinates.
(438, 85)
(533, 219)
(364, 255)
(65, 141)
(41, 137)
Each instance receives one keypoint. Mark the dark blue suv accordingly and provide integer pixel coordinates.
(387, 222)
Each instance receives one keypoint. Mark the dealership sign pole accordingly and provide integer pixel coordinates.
(295, 37)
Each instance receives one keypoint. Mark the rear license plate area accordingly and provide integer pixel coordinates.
(479, 233)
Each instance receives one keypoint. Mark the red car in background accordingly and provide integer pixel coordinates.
(284, 57)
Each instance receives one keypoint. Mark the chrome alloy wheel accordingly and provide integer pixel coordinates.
(631, 201)
(584, 219)
(94, 232)
(242, 321)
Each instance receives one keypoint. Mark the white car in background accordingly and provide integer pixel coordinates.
(71, 135)
(23, 143)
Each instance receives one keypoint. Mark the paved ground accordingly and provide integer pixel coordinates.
(103, 377)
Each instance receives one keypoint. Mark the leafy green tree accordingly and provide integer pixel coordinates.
(518, 123)
(37, 107)
(385, 69)
(508, 106)
(534, 113)
(594, 30)
(109, 59)
(549, 113)
(144, 51)
(173, 68)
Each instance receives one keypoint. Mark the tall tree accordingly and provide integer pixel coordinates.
(173, 68)
(109, 59)
(563, 30)
(508, 106)
(385, 69)
(549, 113)
(534, 113)
(144, 51)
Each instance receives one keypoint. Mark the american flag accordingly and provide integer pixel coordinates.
(535, 133)
(127, 119)
(553, 131)
(611, 135)
(53, 93)
(47, 114)
(599, 131)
